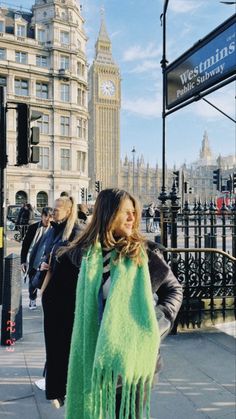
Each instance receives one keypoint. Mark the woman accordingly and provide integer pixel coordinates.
(115, 338)
(58, 298)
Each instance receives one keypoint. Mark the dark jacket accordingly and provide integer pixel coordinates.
(58, 302)
(59, 306)
(29, 237)
(164, 283)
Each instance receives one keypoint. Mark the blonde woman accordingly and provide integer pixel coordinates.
(58, 298)
(115, 339)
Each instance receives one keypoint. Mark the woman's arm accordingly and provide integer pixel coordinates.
(164, 284)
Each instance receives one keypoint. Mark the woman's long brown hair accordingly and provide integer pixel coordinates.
(99, 229)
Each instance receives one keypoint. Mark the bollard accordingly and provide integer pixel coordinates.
(11, 328)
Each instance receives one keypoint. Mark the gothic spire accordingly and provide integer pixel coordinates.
(205, 152)
(103, 44)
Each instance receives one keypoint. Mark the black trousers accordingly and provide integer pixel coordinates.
(32, 289)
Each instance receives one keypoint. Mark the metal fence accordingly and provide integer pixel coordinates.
(201, 250)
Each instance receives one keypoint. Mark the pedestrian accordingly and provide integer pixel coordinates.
(58, 297)
(83, 215)
(25, 218)
(149, 218)
(115, 340)
(30, 245)
(156, 220)
(65, 193)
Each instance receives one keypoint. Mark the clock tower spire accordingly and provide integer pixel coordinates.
(104, 112)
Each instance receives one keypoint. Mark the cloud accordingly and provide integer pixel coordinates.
(223, 99)
(114, 34)
(146, 66)
(144, 108)
(136, 52)
(184, 6)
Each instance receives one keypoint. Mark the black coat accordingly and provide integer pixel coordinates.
(59, 307)
(58, 302)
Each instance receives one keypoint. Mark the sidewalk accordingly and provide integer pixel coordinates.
(196, 381)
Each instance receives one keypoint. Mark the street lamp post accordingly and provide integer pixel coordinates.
(163, 194)
(133, 151)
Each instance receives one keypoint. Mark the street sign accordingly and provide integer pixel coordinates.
(207, 63)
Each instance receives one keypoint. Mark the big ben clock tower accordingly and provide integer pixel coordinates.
(104, 114)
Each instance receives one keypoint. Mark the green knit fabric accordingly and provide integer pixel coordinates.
(124, 347)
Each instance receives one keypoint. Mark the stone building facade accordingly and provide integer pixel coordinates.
(199, 174)
(143, 181)
(43, 63)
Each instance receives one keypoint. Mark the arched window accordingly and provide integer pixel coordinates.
(21, 197)
(42, 199)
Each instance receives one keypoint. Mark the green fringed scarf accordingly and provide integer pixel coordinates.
(124, 346)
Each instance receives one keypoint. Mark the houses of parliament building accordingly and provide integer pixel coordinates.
(43, 63)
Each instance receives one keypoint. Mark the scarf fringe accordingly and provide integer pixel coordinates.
(104, 389)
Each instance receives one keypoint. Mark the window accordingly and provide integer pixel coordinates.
(21, 30)
(21, 57)
(21, 197)
(43, 158)
(42, 90)
(43, 124)
(2, 54)
(84, 128)
(65, 92)
(41, 35)
(64, 37)
(2, 26)
(79, 127)
(80, 69)
(3, 81)
(42, 199)
(64, 62)
(80, 97)
(81, 161)
(65, 125)
(41, 60)
(21, 87)
(65, 159)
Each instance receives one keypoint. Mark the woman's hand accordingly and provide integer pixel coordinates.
(23, 267)
(44, 266)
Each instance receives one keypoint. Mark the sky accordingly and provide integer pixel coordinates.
(136, 34)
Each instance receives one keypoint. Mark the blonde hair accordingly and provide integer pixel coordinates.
(69, 204)
(100, 228)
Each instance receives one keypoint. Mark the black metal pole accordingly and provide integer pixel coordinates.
(3, 163)
(163, 195)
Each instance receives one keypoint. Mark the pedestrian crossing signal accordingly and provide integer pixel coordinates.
(82, 191)
(97, 186)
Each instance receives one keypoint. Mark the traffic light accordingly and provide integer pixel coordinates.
(186, 189)
(216, 178)
(229, 184)
(234, 181)
(82, 191)
(176, 174)
(97, 186)
(34, 140)
(23, 134)
(27, 138)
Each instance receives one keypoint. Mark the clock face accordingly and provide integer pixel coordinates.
(108, 88)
